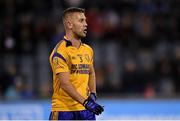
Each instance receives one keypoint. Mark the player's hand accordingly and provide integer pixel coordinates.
(93, 96)
(92, 106)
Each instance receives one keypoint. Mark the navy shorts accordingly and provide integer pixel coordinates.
(72, 115)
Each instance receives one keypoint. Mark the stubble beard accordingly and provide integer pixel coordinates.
(79, 36)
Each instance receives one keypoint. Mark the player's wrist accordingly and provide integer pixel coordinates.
(85, 102)
(94, 93)
(82, 101)
(93, 96)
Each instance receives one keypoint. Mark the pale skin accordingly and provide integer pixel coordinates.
(75, 27)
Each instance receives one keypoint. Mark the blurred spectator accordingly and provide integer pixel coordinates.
(20, 90)
(131, 78)
(164, 70)
(6, 81)
(147, 6)
(177, 68)
(24, 33)
(94, 16)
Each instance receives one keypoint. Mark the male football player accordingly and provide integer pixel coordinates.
(74, 86)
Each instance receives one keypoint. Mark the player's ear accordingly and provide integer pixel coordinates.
(69, 24)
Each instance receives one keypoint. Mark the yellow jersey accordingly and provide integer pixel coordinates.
(76, 61)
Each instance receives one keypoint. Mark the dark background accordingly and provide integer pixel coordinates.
(136, 45)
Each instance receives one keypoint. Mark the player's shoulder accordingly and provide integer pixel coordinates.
(61, 46)
(88, 47)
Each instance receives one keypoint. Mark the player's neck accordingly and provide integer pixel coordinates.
(74, 40)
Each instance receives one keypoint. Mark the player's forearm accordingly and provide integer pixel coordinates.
(70, 90)
(67, 86)
(92, 81)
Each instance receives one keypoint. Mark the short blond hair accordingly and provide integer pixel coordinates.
(72, 10)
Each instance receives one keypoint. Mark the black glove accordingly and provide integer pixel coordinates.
(93, 96)
(92, 106)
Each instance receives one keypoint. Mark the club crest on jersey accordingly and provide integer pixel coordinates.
(55, 61)
(87, 57)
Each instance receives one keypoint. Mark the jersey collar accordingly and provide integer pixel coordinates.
(69, 43)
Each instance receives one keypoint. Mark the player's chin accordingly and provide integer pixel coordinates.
(83, 35)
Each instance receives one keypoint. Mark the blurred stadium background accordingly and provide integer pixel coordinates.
(137, 56)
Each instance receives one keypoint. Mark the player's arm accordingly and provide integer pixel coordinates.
(66, 85)
(90, 102)
(92, 80)
(61, 69)
(69, 88)
(92, 83)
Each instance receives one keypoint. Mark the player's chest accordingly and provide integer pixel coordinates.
(79, 57)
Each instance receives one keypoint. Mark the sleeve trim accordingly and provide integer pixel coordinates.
(59, 55)
(59, 71)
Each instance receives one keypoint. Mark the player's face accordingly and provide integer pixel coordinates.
(79, 23)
